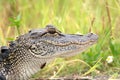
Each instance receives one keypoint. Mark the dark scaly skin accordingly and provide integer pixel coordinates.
(32, 51)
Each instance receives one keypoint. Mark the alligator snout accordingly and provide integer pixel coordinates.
(92, 36)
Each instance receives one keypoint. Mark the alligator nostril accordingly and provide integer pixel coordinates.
(89, 34)
(79, 34)
(94, 37)
(30, 31)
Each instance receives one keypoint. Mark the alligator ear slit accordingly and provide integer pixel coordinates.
(4, 49)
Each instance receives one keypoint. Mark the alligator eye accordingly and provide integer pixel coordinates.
(51, 29)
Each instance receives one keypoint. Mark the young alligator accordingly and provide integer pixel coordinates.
(32, 51)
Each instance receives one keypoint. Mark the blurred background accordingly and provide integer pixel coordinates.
(70, 16)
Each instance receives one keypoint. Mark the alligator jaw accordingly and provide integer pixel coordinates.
(82, 43)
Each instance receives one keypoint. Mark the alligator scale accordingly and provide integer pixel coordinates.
(32, 51)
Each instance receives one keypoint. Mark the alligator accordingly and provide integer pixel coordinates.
(32, 51)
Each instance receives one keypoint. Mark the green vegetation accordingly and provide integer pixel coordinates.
(70, 16)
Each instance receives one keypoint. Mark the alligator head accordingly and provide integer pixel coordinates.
(33, 50)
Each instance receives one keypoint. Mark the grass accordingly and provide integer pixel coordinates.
(70, 16)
